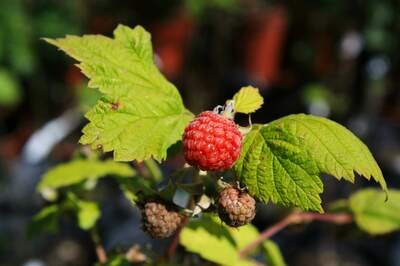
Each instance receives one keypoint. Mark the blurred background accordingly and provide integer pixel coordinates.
(337, 59)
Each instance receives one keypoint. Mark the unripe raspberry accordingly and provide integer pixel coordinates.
(212, 142)
(236, 207)
(160, 220)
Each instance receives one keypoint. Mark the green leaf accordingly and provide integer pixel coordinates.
(373, 214)
(282, 161)
(87, 97)
(141, 114)
(135, 189)
(243, 235)
(274, 166)
(19, 51)
(313, 92)
(116, 260)
(215, 241)
(9, 89)
(273, 254)
(336, 150)
(44, 221)
(247, 100)
(88, 214)
(340, 205)
(154, 170)
(168, 192)
(82, 169)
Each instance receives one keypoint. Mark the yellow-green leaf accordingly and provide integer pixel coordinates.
(79, 170)
(273, 254)
(141, 114)
(275, 167)
(281, 161)
(373, 214)
(216, 242)
(247, 100)
(88, 214)
(10, 93)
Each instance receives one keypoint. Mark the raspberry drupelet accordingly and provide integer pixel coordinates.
(212, 142)
(236, 207)
(160, 220)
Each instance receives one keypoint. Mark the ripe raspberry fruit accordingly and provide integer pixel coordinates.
(236, 207)
(160, 220)
(212, 142)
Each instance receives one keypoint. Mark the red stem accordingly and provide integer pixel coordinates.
(171, 249)
(295, 218)
(101, 254)
(100, 251)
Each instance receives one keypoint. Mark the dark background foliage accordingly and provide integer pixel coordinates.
(337, 59)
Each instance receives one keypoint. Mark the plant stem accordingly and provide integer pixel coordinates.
(296, 218)
(100, 251)
(140, 168)
(154, 169)
(171, 249)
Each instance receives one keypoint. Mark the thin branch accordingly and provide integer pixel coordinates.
(101, 254)
(296, 218)
(173, 245)
(100, 251)
(154, 169)
(141, 169)
(171, 249)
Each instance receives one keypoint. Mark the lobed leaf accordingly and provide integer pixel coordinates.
(247, 100)
(141, 114)
(282, 161)
(335, 149)
(274, 166)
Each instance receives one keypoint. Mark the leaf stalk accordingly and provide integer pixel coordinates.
(296, 218)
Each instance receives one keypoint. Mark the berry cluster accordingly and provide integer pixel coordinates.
(211, 142)
(235, 207)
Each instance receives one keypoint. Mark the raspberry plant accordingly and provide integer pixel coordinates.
(141, 115)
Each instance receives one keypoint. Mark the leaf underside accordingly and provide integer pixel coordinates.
(373, 214)
(282, 161)
(140, 114)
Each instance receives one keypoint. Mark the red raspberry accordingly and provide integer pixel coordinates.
(212, 142)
